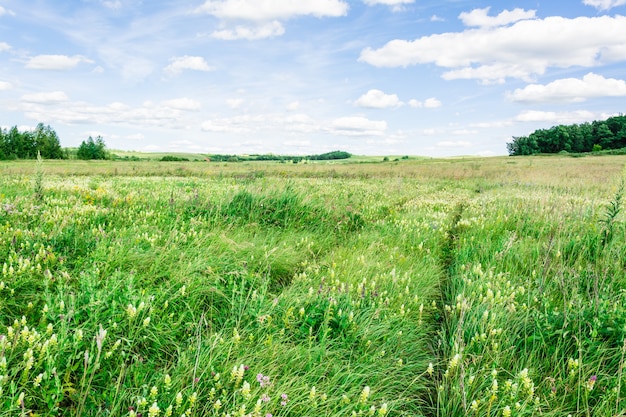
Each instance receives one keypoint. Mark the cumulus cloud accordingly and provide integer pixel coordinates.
(604, 4)
(480, 17)
(261, 31)
(5, 85)
(571, 90)
(264, 10)
(376, 99)
(358, 126)
(429, 103)
(523, 50)
(180, 63)
(46, 97)
(56, 62)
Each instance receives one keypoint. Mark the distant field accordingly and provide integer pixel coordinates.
(417, 287)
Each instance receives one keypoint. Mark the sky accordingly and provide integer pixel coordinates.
(299, 77)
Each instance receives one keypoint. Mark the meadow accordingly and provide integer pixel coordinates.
(417, 287)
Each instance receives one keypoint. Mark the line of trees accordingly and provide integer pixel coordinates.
(271, 157)
(579, 138)
(25, 144)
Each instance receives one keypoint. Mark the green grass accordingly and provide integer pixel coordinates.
(403, 288)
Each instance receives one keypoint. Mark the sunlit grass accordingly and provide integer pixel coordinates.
(418, 287)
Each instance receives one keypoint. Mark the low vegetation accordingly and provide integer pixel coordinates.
(478, 287)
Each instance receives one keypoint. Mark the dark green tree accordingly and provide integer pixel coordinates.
(92, 149)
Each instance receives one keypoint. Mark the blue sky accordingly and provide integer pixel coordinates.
(372, 77)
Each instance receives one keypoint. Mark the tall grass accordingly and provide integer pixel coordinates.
(456, 287)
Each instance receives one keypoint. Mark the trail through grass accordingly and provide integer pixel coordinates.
(469, 287)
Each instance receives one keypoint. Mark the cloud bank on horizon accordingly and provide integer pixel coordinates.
(377, 77)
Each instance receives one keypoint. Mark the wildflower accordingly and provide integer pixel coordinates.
(454, 362)
(131, 311)
(474, 405)
(167, 380)
(506, 411)
(179, 400)
(591, 382)
(265, 398)
(37, 380)
(263, 380)
(312, 393)
(20, 400)
(168, 411)
(382, 410)
(430, 369)
(217, 405)
(146, 322)
(364, 395)
(245, 389)
(193, 398)
(284, 398)
(154, 410)
(154, 391)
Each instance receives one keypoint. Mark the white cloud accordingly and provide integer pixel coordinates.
(46, 98)
(5, 85)
(262, 31)
(56, 62)
(522, 50)
(4, 11)
(571, 90)
(432, 103)
(4, 46)
(604, 4)
(376, 99)
(180, 63)
(293, 106)
(480, 17)
(264, 10)
(182, 104)
(435, 18)
(429, 103)
(358, 126)
(555, 117)
(56, 107)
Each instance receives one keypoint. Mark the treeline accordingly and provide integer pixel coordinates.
(281, 158)
(577, 138)
(26, 144)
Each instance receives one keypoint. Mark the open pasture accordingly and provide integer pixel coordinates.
(422, 287)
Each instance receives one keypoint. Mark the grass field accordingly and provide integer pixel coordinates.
(419, 287)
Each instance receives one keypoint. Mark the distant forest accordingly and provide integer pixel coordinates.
(25, 145)
(575, 138)
(271, 157)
